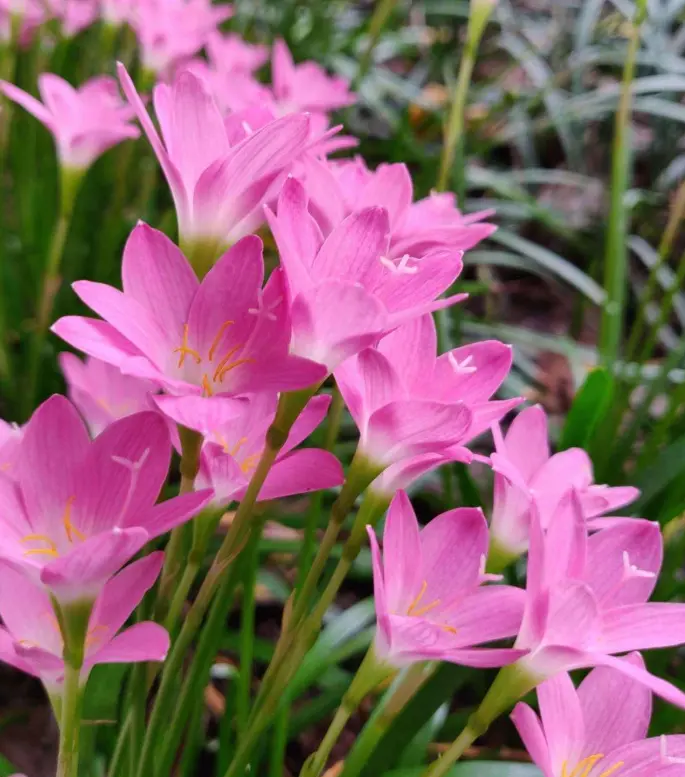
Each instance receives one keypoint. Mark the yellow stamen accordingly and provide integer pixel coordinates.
(250, 462)
(424, 610)
(237, 446)
(613, 769)
(226, 360)
(69, 527)
(51, 550)
(584, 767)
(222, 441)
(449, 629)
(184, 349)
(27, 643)
(96, 635)
(418, 598)
(232, 366)
(215, 342)
(207, 386)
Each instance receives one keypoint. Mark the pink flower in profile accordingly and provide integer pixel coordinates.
(231, 54)
(345, 292)
(225, 335)
(218, 187)
(171, 31)
(85, 122)
(416, 410)
(235, 436)
(336, 188)
(102, 393)
(430, 604)
(587, 599)
(30, 639)
(307, 86)
(525, 471)
(77, 510)
(597, 730)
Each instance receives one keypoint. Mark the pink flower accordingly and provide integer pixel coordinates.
(118, 12)
(525, 471)
(231, 54)
(74, 15)
(102, 393)
(170, 31)
(430, 604)
(225, 335)
(31, 640)
(344, 290)
(218, 187)
(85, 122)
(339, 187)
(597, 730)
(416, 410)
(307, 86)
(587, 599)
(30, 13)
(10, 437)
(78, 510)
(235, 435)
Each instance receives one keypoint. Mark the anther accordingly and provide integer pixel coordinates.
(184, 350)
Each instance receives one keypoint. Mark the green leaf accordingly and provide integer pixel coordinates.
(6, 768)
(591, 403)
(669, 464)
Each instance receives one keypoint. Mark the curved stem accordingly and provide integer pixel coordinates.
(70, 724)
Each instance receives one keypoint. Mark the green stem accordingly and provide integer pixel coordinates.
(247, 621)
(369, 675)
(70, 182)
(384, 716)
(70, 725)
(296, 638)
(191, 445)
(289, 407)
(454, 131)
(616, 265)
(675, 217)
(279, 741)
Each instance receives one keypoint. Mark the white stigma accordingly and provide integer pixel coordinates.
(462, 368)
(667, 759)
(630, 570)
(402, 267)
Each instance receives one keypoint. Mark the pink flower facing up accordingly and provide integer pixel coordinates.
(218, 186)
(235, 436)
(344, 291)
(102, 393)
(171, 31)
(78, 510)
(337, 188)
(525, 471)
(587, 600)
(225, 335)
(430, 604)
(85, 122)
(416, 410)
(31, 639)
(597, 730)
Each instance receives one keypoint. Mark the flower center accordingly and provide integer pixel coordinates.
(584, 767)
(51, 546)
(416, 611)
(216, 373)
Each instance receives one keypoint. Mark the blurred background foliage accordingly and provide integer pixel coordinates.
(583, 159)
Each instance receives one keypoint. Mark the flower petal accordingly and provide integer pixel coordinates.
(402, 555)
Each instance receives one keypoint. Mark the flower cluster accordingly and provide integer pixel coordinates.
(207, 349)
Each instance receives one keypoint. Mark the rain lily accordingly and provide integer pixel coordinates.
(597, 730)
(85, 122)
(525, 471)
(118, 12)
(587, 601)
(171, 31)
(230, 53)
(77, 510)
(225, 335)
(20, 17)
(30, 639)
(416, 410)
(218, 187)
(235, 435)
(337, 188)
(74, 15)
(102, 393)
(307, 86)
(430, 604)
(345, 292)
